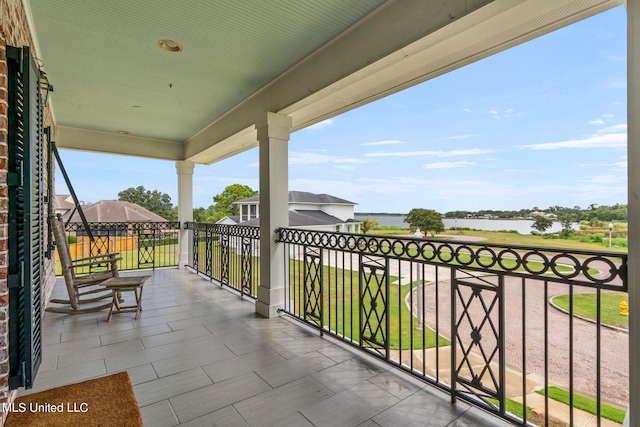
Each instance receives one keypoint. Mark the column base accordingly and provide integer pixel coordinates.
(268, 311)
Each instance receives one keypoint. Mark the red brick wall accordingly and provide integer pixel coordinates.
(14, 31)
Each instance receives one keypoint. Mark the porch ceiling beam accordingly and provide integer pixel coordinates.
(401, 44)
(102, 142)
(388, 29)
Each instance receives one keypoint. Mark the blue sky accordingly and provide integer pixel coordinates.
(541, 124)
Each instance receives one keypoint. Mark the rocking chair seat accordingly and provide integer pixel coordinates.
(99, 268)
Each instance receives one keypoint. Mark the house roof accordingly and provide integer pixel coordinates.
(116, 211)
(64, 201)
(304, 197)
(304, 218)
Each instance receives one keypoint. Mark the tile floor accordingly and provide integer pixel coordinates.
(199, 356)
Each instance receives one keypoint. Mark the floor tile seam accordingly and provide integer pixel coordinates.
(173, 396)
(160, 345)
(308, 420)
(46, 348)
(170, 407)
(140, 338)
(128, 367)
(119, 353)
(233, 405)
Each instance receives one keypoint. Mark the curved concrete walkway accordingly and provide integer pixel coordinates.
(614, 344)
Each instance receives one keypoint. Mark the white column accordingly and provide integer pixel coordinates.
(633, 148)
(185, 208)
(273, 132)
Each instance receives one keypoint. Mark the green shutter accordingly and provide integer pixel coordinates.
(26, 217)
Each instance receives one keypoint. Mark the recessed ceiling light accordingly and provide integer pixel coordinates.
(170, 46)
(137, 107)
(124, 132)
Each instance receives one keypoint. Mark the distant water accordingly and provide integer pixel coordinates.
(522, 226)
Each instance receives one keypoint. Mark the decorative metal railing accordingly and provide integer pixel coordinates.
(228, 254)
(141, 244)
(477, 320)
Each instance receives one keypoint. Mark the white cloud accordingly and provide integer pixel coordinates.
(388, 142)
(458, 137)
(447, 165)
(622, 127)
(349, 160)
(321, 125)
(596, 122)
(606, 179)
(440, 153)
(303, 158)
(617, 164)
(466, 110)
(300, 158)
(607, 140)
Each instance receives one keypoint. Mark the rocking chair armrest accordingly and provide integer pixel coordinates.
(97, 262)
(92, 257)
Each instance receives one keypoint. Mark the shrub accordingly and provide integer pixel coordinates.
(72, 239)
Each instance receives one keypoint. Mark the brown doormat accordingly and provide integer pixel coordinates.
(106, 401)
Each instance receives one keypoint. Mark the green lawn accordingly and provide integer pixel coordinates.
(585, 305)
(585, 404)
(342, 308)
(505, 237)
(164, 255)
(516, 408)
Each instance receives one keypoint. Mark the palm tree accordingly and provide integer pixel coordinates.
(368, 224)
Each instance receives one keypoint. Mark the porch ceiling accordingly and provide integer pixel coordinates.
(305, 58)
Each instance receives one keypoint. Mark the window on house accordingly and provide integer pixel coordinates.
(252, 212)
(26, 218)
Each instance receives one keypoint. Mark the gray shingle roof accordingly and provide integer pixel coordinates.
(64, 201)
(305, 197)
(116, 211)
(304, 218)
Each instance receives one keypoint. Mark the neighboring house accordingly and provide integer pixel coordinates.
(113, 211)
(64, 204)
(306, 210)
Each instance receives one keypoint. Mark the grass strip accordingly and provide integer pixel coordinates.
(585, 305)
(516, 408)
(585, 404)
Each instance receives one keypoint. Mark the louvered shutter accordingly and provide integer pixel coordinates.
(26, 217)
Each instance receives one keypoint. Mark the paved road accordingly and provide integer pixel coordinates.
(614, 344)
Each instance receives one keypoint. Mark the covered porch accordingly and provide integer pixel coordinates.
(200, 356)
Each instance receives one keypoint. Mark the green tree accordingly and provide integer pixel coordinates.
(157, 202)
(203, 214)
(566, 221)
(427, 220)
(223, 201)
(368, 224)
(541, 223)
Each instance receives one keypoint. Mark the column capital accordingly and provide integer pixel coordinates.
(184, 167)
(273, 125)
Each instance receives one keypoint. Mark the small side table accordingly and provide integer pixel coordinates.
(118, 285)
